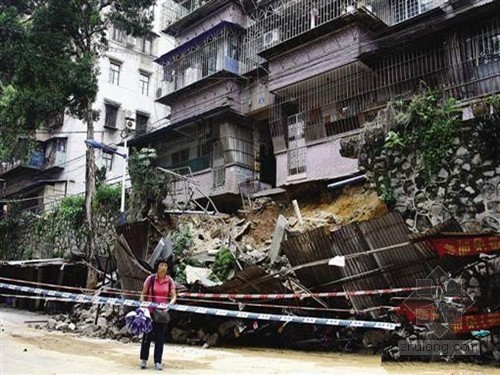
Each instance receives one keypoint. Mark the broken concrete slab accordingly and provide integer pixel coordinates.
(278, 236)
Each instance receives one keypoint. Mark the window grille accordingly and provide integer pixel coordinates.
(110, 120)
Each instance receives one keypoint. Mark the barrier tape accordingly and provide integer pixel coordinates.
(301, 295)
(242, 296)
(82, 298)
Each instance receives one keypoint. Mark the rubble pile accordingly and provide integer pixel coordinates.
(106, 322)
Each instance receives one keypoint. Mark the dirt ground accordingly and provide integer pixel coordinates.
(24, 350)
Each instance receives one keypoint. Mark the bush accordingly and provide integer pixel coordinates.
(224, 263)
(72, 210)
(107, 198)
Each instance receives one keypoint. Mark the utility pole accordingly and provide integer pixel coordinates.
(89, 193)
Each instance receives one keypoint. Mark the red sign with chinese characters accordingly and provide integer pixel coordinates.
(476, 322)
(465, 245)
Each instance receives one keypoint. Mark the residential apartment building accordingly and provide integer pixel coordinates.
(262, 91)
(126, 106)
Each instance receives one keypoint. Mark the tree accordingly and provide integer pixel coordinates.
(50, 53)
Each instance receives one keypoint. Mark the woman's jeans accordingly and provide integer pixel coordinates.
(158, 335)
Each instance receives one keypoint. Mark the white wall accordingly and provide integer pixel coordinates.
(129, 96)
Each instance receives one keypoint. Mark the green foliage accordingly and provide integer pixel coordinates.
(224, 263)
(182, 240)
(149, 186)
(72, 210)
(100, 176)
(494, 101)
(107, 198)
(428, 123)
(393, 140)
(386, 194)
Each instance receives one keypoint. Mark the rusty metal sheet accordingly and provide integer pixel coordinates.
(131, 273)
(136, 235)
(309, 247)
(250, 280)
(406, 263)
(349, 240)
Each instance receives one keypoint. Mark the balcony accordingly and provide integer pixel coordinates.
(49, 155)
(191, 166)
(311, 19)
(215, 53)
(177, 14)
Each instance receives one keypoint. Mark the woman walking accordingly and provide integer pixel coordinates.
(159, 288)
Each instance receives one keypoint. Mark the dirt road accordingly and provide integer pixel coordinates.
(24, 350)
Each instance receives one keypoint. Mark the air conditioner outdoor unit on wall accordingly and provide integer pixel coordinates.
(129, 115)
(271, 38)
(130, 125)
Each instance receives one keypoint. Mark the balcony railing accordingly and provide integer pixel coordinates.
(291, 18)
(174, 11)
(188, 64)
(193, 165)
(464, 64)
(53, 155)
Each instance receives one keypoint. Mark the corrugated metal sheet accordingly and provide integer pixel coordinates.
(136, 235)
(406, 263)
(252, 279)
(396, 267)
(309, 247)
(131, 273)
(349, 240)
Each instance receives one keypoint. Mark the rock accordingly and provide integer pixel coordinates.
(212, 339)
(113, 332)
(226, 328)
(462, 151)
(466, 167)
(102, 322)
(71, 326)
(470, 190)
(474, 282)
(441, 192)
(476, 160)
(244, 230)
(489, 173)
(51, 323)
(443, 174)
(194, 274)
(478, 199)
(178, 335)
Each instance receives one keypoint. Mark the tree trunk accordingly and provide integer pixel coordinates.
(89, 193)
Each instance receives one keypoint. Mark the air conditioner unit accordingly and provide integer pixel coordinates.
(131, 41)
(129, 115)
(271, 38)
(130, 125)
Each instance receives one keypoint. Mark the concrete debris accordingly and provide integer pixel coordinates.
(197, 274)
